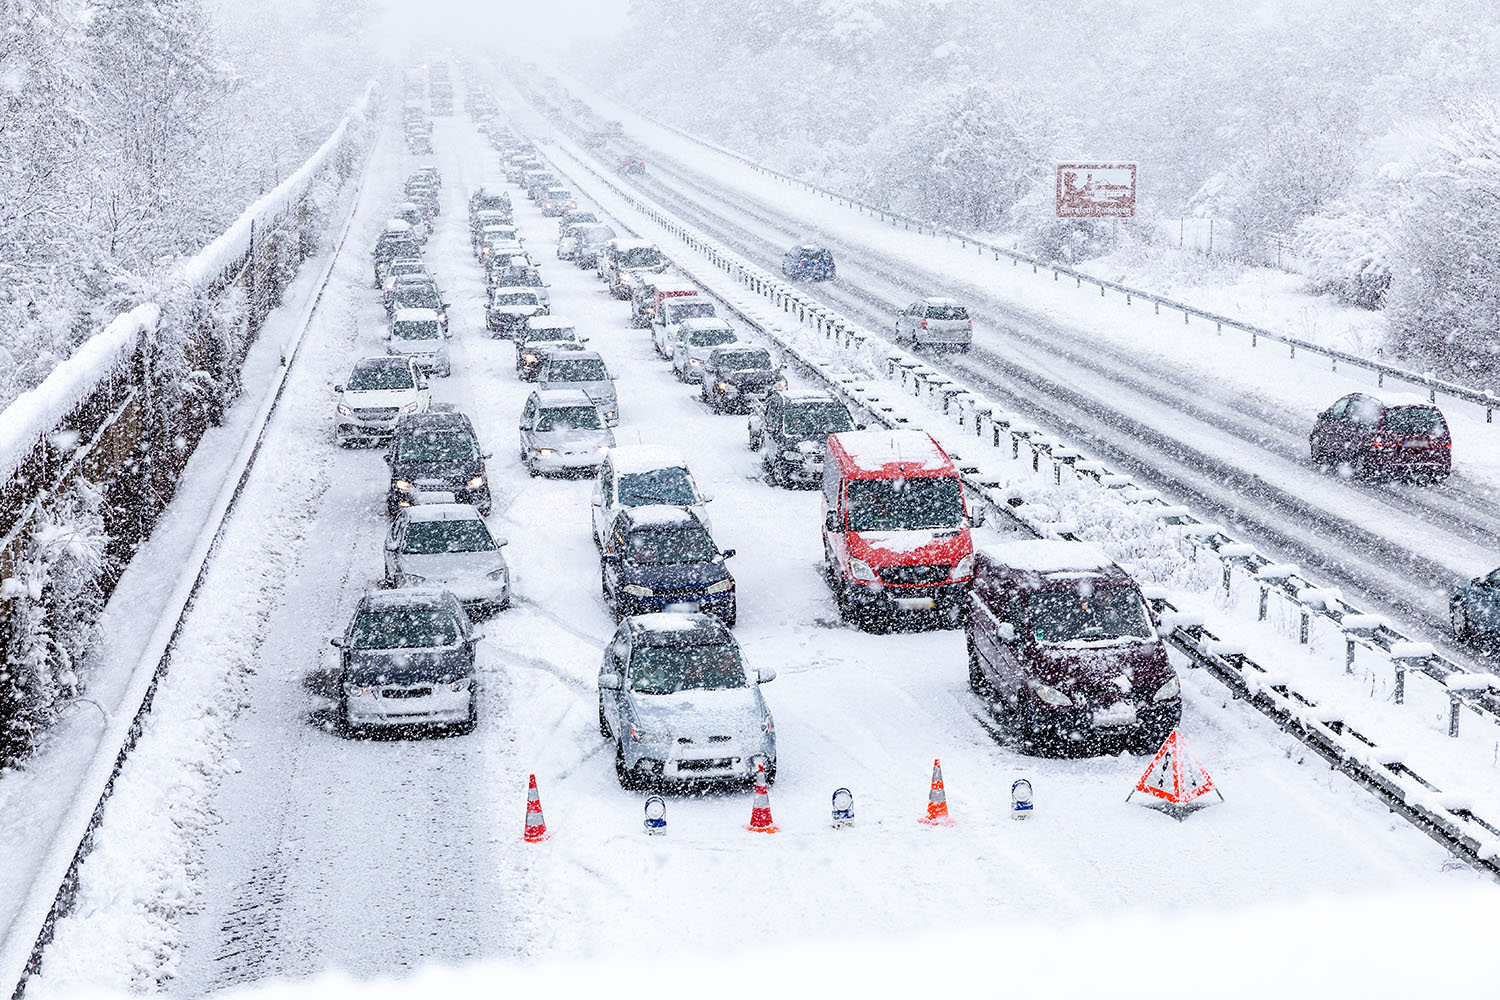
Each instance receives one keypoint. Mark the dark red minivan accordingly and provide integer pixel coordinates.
(1374, 438)
(1063, 646)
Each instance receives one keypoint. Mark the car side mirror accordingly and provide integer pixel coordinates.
(705, 497)
(765, 675)
(337, 640)
(609, 682)
(476, 635)
(831, 522)
(859, 427)
(1007, 632)
(338, 388)
(487, 454)
(391, 546)
(726, 553)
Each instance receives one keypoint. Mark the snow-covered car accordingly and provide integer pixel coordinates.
(415, 216)
(539, 339)
(407, 657)
(377, 393)
(520, 275)
(808, 261)
(695, 340)
(493, 238)
(510, 308)
(659, 557)
(416, 291)
(935, 322)
(584, 370)
(448, 545)
(634, 475)
(567, 234)
(675, 310)
(557, 201)
(393, 244)
(626, 256)
(436, 458)
(404, 267)
(563, 431)
(681, 704)
(791, 432)
(737, 377)
(1396, 436)
(591, 242)
(479, 220)
(1474, 608)
(418, 334)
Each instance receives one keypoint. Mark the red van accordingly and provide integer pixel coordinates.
(895, 527)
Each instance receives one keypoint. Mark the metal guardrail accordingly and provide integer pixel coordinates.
(1446, 818)
(1487, 398)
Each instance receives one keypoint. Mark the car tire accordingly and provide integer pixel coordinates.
(467, 726)
(978, 683)
(628, 779)
(757, 441)
(604, 729)
(346, 727)
(1315, 447)
(733, 616)
(1458, 617)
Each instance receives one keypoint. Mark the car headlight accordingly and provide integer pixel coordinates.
(462, 684)
(641, 736)
(1167, 691)
(530, 359)
(476, 482)
(636, 590)
(781, 383)
(356, 691)
(792, 456)
(964, 569)
(861, 571)
(411, 407)
(609, 414)
(604, 448)
(410, 580)
(695, 362)
(724, 387)
(1052, 695)
(499, 574)
(402, 485)
(345, 410)
(723, 585)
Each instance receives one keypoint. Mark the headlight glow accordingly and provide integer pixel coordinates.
(544, 453)
(476, 482)
(723, 387)
(861, 571)
(636, 590)
(781, 383)
(1052, 695)
(402, 484)
(695, 362)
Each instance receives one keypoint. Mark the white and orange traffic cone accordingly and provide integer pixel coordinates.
(536, 826)
(760, 813)
(937, 800)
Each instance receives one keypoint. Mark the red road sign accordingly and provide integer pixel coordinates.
(1096, 190)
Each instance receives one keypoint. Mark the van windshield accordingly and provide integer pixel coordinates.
(1087, 614)
(905, 504)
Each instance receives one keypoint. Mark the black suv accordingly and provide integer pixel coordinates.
(436, 458)
(793, 429)
(738, 376)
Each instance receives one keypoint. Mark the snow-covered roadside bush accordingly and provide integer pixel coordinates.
(49, 611)
(1347, 251)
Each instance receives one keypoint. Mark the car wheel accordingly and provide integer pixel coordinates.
(1458, 616)
(733, 616)
(603, 720)
(978, 683)
(467, 726)
(345, 726)
(756, 441)
(1315, 446)
(627, 778)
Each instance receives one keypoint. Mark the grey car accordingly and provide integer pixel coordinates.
(407, 657)
(680, 704)
(584, 370)
(563, 431)
(935, 322)
(448, 545)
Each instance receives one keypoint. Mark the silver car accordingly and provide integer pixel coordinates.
(448, 545)
(418, 334)
(582, 370)
(680, 703)
(935, 322)
(696, 340)
(563, 431)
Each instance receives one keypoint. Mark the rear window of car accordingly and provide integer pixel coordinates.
(743, 361)
(405, 628)
(1414, 421)
(690, 310)
(640, 257)
(947, 312)
(517, 299)
(711, 338)
(417, 330)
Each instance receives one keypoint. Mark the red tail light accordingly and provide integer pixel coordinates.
(1378, 443)
(924, 324)
(970, 324)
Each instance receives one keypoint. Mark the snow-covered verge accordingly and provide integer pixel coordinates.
(54, 800)
(1300, 949)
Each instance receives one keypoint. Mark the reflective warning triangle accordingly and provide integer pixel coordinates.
(1174, 776)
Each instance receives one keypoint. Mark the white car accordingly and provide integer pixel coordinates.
(584, 370)
(378, 392)
(698, 339)
(675, 310)
(935, 322)
(448, 545)
(563, 431)
(635, 475)
(418, 334)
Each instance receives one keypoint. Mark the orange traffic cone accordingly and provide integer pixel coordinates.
(937, 800)
(760, 813)
(536, 826)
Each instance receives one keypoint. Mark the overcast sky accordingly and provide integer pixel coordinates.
(506, 24)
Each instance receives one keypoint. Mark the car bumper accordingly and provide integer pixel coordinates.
(896, 600)
(563, 461)
(1067, 726)
(1410, 461)
(374, 430)
(441, 705)
(944, 338)
(478, 499)
(677, 762)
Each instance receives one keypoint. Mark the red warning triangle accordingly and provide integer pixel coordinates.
(1174, 776)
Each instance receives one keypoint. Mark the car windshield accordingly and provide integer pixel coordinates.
(670, 669)
(1414, 421)
(743, 361)
(586, 370)
(679, 311)
(1087, 614)
(670, 486)
(946, 312)
(421, 329)
(670, 547)
(370, 378)
(640, 257)
(405, 628)
(561, 418)
(426, 538)
(435, 446)
(815, 420)
(905, 504)
(516, 299)
(711, 338)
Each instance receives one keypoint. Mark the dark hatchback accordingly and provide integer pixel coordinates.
(436, 458)
(407, 658)
(1389, 438)
(1062, 645)
(661, 558)
(739, 376)
(814, 263)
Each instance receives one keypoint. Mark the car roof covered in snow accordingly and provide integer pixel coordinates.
(513, 289)
(670, 628)
(809, 396)
(397, 226)
(1050, 560)
(552, 399)
(695, 323)
(382, 363)
(536, 323)
(442, 512)
(415, 316)
(938, 300)
(576, 356)
(875, 454)
(636, 459)
(652, 516)
(407, 597)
